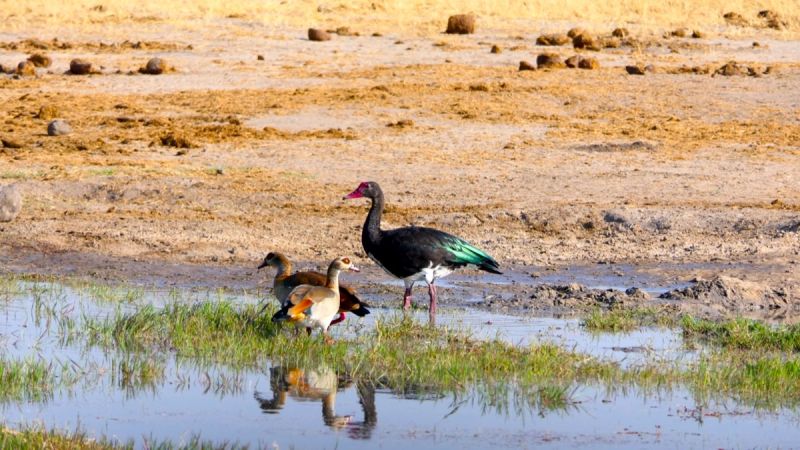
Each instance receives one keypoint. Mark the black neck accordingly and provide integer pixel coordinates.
(372, 226)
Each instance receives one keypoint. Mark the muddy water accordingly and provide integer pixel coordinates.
(293, 407)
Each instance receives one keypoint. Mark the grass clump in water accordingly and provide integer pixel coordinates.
(743, 334)
(26, 380)
(627, 319)
(34, 438)
(114, 294)
(37, 438)
(398, 352)
(765, 382)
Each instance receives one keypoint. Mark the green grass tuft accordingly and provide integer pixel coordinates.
(627, 319)
(34, 438)
(743, 334)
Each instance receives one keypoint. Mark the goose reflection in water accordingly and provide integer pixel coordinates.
(322, 384)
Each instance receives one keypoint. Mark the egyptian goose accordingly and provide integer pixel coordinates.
(316, 306)
(285, 281)
(415, 253)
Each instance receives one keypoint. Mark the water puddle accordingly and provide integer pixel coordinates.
(126, 396)
(628, 349)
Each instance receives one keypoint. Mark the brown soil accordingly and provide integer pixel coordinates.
(540, 168)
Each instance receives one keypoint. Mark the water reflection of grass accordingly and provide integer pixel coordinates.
(26, 380)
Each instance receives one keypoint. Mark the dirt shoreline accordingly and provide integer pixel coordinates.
(521, 290)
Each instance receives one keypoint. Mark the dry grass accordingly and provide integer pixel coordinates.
(414, 16)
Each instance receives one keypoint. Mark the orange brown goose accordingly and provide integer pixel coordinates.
(316, 306)
(285, 281)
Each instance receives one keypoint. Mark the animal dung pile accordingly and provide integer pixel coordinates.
(461, 24)
(732, 68)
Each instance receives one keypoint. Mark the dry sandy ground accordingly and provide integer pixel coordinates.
(677, 173)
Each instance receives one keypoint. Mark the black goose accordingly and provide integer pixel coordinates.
(415, 253)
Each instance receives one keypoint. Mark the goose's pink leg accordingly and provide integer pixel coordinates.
(338, 319)
(407, 297)
(432, 293)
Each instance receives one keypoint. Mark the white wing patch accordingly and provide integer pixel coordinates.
(429, 274)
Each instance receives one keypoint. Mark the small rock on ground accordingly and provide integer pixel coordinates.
(26, 68)
(496, 49)
(553, 39)
(585, 41)
(40, 60)
(317, 35)
(155, 66)
(47, 112)
(733, 18)
(461, 24)
(80, 67)
(575, 31)
(10, 203)
(573, 61)
(620, 32)
(637, 69)
(58, 128)
(525, 65)
(549, 61)
(589, 63)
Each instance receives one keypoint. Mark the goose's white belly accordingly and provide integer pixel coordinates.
(321, 315)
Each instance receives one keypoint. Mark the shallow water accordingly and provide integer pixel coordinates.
(294, 407)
